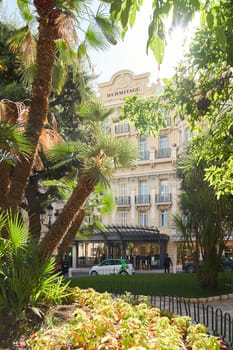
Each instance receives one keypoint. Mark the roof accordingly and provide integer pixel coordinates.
(126, 233)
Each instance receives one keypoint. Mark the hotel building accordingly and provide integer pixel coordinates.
(147, 194)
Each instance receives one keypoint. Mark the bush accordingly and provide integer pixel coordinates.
(103, 322)
(25, 284)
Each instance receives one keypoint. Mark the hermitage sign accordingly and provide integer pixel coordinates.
(123, 92)
(125, 83)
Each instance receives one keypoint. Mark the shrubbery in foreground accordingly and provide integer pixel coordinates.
(103, 322)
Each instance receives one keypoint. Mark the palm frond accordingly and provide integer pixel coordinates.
(93, 110)
(16, 40)
(8, 157)
(13, 140)
(67, 30)
(109, 29)
(18, 231)
(23, 42)
(66, 154)
(25, 11)
(27, 75)
(12, 90)
(59, 77)
(107, 203)
(94, 39)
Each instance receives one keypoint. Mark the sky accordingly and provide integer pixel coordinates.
(129, 54)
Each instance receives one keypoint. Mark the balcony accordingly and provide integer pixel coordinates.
(163, 153)
(123, 201)
(142, 199)
(122, 128)
(163, 198)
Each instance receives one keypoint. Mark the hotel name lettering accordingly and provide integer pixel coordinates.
(123, 92)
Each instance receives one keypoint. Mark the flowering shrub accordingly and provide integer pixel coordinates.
(102, 322)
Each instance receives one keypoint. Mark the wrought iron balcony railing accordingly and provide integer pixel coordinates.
(163, 198)
(142, 199)
(123, 200)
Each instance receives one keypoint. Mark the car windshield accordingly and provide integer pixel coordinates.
(108, 262)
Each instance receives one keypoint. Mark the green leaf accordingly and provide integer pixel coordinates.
(210, 20)
(82, 50)
(221, 36)
(125, 13)
(133, 15)
(24, 10)
(157, 46)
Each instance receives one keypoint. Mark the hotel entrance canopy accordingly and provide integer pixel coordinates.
(125, 234)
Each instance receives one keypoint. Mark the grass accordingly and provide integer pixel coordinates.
(180, 284)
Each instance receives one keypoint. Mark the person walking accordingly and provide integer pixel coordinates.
(167, 263)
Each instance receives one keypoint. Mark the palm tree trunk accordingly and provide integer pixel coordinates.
(46, 49)
(59, 228)
(4, 183)
(33, 208)
(70, 235)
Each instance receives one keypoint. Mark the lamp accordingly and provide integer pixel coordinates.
(50, 214)
(43, 212)
(42, 215)
(159, 242)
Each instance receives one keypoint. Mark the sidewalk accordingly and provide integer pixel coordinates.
(76, 271)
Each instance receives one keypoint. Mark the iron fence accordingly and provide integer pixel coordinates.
(217, 322)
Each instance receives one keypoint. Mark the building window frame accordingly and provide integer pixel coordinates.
(143, 146)
(123, 217)
(142, 218)
(163, 218)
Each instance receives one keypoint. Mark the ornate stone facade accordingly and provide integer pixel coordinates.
(146, 195)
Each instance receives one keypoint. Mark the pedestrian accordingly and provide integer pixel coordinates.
(148, 260)
(138, 259)
(143, 262)
(167, 263)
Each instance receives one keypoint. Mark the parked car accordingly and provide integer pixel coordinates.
(226, 264)
(112, 267)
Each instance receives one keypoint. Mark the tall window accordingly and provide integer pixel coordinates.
(142, 188)
(123, 189)
(123, 216)
(164, 218)
(122, 128)
(164, 190)
(163, 147)
(142, 218)
(143, 149)
(187, 134)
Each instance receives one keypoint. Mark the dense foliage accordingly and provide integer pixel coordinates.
(103, 322)
(216, 15)
(26, 286)
(201, 92)
(204, 221)
(65, 53)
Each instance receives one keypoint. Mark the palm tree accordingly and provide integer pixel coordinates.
(13, 143)
(205, 222)
(25, 284)
(98, 161)
(56, 25)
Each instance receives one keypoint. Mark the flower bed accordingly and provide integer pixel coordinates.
(102, 322)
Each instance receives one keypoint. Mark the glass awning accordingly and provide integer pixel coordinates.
(125, 233)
